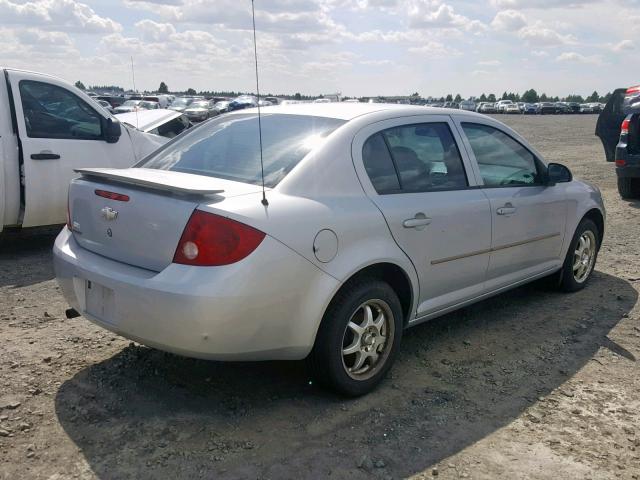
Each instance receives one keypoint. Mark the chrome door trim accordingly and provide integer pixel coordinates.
(495, 249)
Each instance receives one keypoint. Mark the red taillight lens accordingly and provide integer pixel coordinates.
(212, 240)
(624, 128)
(120, 197)
(620, 163)
(635, 89)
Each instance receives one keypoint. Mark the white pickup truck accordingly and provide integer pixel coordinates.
(48, 128)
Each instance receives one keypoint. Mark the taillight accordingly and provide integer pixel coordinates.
(120, 197)
(212, 240)
(635, 89)
(624, 128)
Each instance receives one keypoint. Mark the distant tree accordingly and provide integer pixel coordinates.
(163, 88)
(483, 98)
(458, 98)
(491, 97)
(606, 98)
(297, 96)
(449, 98)
(415, 94)
(530, 96)
(191, 91)
(594, 97)
(80, 85)
(575, 98)
(544, 98)
(504, 96)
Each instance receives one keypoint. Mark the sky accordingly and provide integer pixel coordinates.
(355, 47)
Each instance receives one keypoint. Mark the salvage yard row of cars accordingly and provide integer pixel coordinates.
(540, 108)
(317, 231)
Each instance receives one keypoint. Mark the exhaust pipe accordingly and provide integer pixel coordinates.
(71, 313)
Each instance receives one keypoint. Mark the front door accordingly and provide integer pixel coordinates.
(60, 132)
(418, 178)
(528, 217)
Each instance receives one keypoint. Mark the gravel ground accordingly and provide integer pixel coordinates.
(530, 384)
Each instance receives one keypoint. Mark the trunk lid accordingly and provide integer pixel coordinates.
(143, 225)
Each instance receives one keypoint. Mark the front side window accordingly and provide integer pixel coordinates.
(424, 157)
(53, 112)
(228, 147)
(502, 160)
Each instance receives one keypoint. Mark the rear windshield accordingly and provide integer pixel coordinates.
(229, 148)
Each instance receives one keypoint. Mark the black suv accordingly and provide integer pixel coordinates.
(619, 130)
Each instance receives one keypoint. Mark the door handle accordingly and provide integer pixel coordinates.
(508, 209)
(45, 156)
(416, 222)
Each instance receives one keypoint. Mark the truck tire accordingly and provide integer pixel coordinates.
(629, 188)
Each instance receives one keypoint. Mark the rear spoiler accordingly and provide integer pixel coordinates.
(176, 182)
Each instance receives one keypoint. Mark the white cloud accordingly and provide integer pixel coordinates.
(427, 14)
(68, 15)
(435, 50)
(521, 4)
(574, 57)
(540, 34)
(508, 21)
(153, 31)
(623, 45)
(490, 63)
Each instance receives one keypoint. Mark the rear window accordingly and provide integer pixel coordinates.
(229, 147)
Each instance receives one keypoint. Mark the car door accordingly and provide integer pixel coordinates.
(609, 123)
(417, 176)
(60, 131)
(528, 217)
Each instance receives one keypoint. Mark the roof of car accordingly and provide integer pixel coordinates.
(348, 111)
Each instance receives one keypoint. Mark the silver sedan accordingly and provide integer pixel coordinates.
(374, 218)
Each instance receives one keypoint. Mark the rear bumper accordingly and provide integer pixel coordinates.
(265, 307)
(629, 171)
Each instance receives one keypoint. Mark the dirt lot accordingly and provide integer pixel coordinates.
(531, 384)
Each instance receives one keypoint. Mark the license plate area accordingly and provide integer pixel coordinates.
(100, 301)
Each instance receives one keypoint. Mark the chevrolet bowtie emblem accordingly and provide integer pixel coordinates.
(109, 213)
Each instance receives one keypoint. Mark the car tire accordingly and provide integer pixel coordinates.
(581, 257)
(629, 188)
(330, 363)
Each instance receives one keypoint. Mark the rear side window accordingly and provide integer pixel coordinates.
(53, 112)
(502, 161)
(424, 158)
(228, 147)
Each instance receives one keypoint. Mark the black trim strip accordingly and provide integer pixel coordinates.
(495, 249)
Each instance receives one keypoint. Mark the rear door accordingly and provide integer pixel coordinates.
(609, 121)
(60, 130)
(421, 181)
(528, 217)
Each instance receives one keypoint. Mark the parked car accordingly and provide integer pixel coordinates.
(451, 105)
(114, 100)
(148, 105)
(502, 104)
(104, 104)
(242, 102)
(201, 110)
(227, 277)
(511, 108)
(222, 107)
(562, 108)
(545, 108)
(48, 128)
(486, 107)
(180, 104)
(468, 105)
(574, 107)
(273, 100)
(163, 101)
(590, 108)
(529, 109)
(618, 128)
(128, 106)
(162, 122)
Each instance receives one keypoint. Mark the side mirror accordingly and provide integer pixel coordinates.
(112, 130)
(558, 173)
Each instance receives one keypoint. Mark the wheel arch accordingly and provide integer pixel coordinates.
(595, 215)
